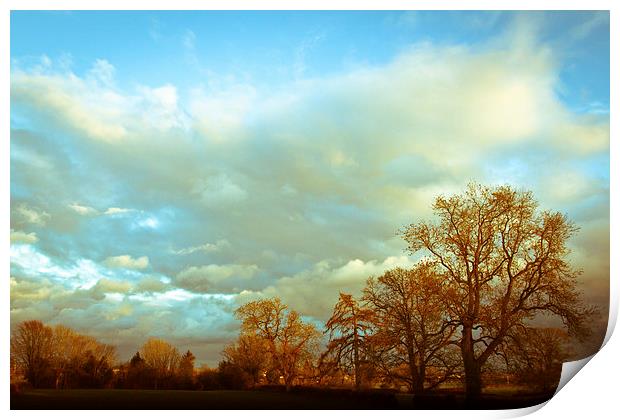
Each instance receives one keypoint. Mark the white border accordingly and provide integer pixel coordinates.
(593, 394)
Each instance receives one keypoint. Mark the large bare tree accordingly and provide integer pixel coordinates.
(411, 326)
(506, 261)
(290, 340)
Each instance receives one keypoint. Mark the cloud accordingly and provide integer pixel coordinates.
(314, 292)
(148, 222)
(219, 114)
(128, 320)
(31, 215)
(207, 247)
(28, 261)
(585, 28)
(102, 72)
(90, 211)
(33, 291)
(215, 278)
(128, 262)
(83, 210)
(92, 106)
(309, 180)
(111, 286)
(161, 107)
(117, 210)
(151, 285)
(27, 238)
(83, 105)
(219, 191)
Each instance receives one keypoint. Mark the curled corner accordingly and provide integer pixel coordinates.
(570, 369)
(521, 412)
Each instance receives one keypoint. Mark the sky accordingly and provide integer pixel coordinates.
(167, 167)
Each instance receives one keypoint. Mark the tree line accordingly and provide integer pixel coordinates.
(488, 264)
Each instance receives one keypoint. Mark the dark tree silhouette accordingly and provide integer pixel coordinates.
(348, 328)
(186, 370)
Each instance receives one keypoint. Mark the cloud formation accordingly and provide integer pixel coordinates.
(19, 236)
(307, 182)
(127, 261)
(215, 278)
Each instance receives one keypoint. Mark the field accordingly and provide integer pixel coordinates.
(85, 399)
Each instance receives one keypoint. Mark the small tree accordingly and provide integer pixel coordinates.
(290, 340)
(251, 353)
(81, 360)
(536, 355)
(186, 369)
(32, 350)
(348, 327)
(162, 357)
(139, 375)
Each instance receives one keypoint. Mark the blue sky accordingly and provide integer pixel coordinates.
(147, 46)
(168, 166)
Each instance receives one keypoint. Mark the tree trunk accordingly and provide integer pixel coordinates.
(473, 385)
(417, 386)
(356, 361)
(418, 380)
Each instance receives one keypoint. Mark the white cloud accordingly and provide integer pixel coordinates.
(151, 285)
(207, 247)
(315, 291)
(102, 72)
(215, 278)
(219, 114)
(219, 191)
(319, 173)
(31, 215)
(33, 263)
(27, 238)
(83, 210)
(149, 222)
(111, 286)
(128, 262)
(117, 210)
(76, 103)
(161, 109)
(92, 106)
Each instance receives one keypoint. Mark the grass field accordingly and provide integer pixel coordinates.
(177, 400)
(115, 399)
